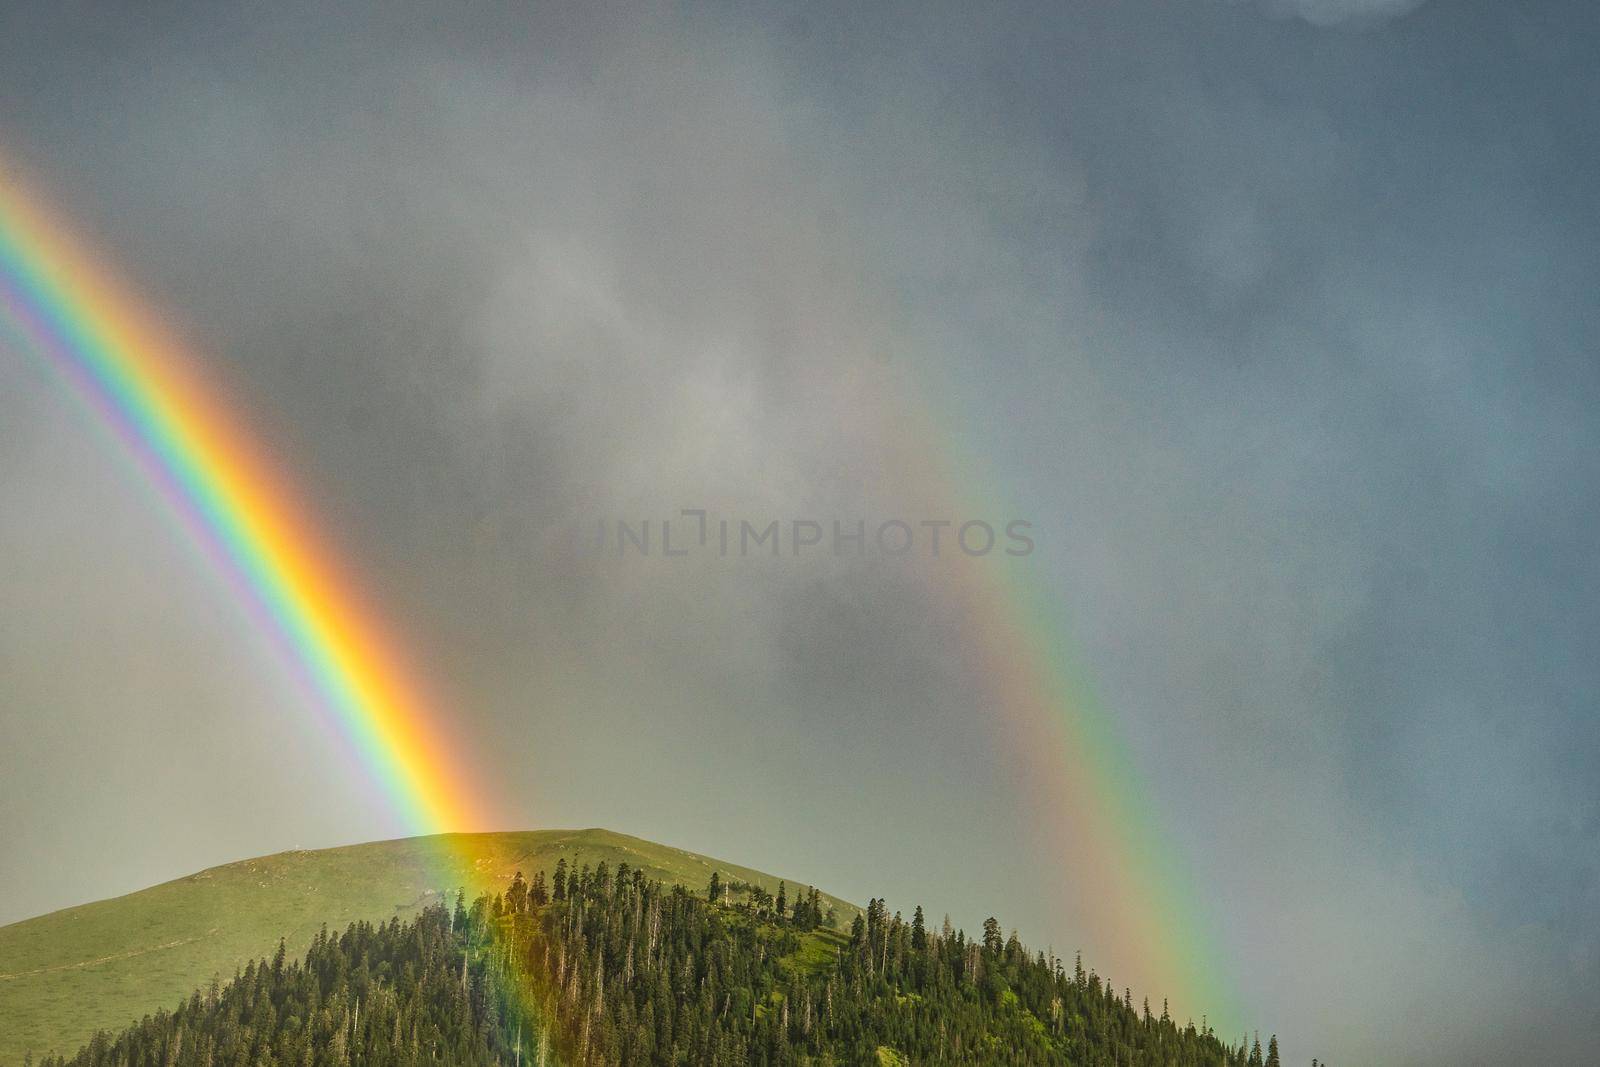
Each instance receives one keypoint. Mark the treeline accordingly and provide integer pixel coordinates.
(380, 995)
(596, 967)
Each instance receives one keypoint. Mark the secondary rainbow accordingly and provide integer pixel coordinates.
(1124, 877)
(197, 450)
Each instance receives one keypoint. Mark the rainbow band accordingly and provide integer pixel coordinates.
(1122, 872)
(197, 451)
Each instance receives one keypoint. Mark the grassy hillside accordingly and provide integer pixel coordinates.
(103, 965)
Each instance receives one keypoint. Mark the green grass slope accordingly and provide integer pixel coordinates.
(104, 965)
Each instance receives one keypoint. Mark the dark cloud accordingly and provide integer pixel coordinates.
(1283, 339)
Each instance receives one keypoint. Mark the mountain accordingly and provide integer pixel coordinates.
(103, 965)
(606, 967)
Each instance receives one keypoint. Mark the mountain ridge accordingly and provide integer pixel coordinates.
(103, 964)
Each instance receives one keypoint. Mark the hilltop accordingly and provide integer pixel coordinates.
(103, 965)
(606, 967)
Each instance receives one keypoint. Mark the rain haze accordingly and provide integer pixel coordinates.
(1276, 320)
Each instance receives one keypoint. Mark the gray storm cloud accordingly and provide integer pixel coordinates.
(1296, 385)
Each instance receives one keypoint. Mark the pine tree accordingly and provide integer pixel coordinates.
(991, 936)
(517, 895)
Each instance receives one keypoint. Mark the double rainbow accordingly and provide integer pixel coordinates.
(240, 509)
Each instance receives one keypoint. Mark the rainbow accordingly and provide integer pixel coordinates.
(1120, 867)
(197, 450)
(1121, 874)
(1104, 840)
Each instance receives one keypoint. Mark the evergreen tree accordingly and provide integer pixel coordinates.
(991, 936)
(517, 895)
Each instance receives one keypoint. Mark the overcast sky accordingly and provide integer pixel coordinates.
(1278, 320)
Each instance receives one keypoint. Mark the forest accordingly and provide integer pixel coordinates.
(601, 967)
